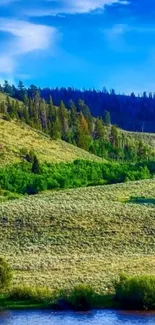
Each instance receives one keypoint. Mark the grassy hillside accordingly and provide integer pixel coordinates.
(3, 97)
(82, 235)
(20, 139)
(148, 138)
(16, 136)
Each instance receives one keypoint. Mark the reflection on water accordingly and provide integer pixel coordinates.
(105, 317)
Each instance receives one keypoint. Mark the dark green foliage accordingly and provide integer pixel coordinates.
(80, 298)
(73, 124)
(19, 178)
(107, 118)
(130, 112)
(136, 292)
(27, 293)
(35, 165)
(5, 274)
(29, 156)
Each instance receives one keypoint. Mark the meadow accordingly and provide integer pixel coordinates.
(90, 235)
(15, 137)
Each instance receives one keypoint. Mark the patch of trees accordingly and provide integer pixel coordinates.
(73, 123)
(134, 113)
(136, 293)
(20, 178)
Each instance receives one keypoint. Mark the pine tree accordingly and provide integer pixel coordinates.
(55, 131)
(82, 133)
(107, 118)
(21, 91)
(43, 114)
(99, 131)
(114, 139)
(63, 115)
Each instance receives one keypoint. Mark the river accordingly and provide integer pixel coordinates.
(105, 317)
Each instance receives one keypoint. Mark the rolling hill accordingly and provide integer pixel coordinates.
(65, 237)
(86, 235)
(16, 136)
(148, 138)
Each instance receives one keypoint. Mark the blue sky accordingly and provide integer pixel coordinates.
(79, 43)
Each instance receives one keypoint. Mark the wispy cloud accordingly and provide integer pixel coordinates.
(121, 29)
(51, 7)
(26, 37)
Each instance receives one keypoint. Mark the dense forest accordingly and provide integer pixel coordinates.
(134, 113)
(74, 122)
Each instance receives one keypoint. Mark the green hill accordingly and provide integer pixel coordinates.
(90, 235)
(75, 127)
(17, 136)
(148, 138)
(83, 235)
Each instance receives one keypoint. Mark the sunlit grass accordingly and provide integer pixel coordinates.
(16, 136)
(87, 235)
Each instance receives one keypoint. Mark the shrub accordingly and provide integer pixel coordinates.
(30, 156)
(5, 274)
(35, 166)
(26, 178)
(24, 293)
(136, 292)
(80, 298)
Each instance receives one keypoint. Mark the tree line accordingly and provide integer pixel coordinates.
(73, 123)
(130, 112)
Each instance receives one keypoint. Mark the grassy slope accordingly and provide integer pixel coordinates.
(148, 138)
(16, 135)
(87, 234)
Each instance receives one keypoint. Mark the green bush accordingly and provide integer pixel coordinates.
(6, 274)
(24, 293)
(136, 292)
(20, 178)
(80, 297)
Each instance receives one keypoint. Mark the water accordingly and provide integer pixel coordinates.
(93, 318)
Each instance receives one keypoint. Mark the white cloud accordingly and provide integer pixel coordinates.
(115, 31)
(72, 6)
(120, 30)
(26, 37)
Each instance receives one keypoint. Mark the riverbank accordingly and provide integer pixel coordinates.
(104, 302)
(128, 293)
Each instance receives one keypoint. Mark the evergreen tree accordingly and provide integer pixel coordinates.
(43, 115)
(63, 115)
(107, 118)
(21, 91)
(114, 137)
(82, 133)
(99, 131)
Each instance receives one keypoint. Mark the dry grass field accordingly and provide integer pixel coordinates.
(16, 136)
(148, 138)
(89, 235)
